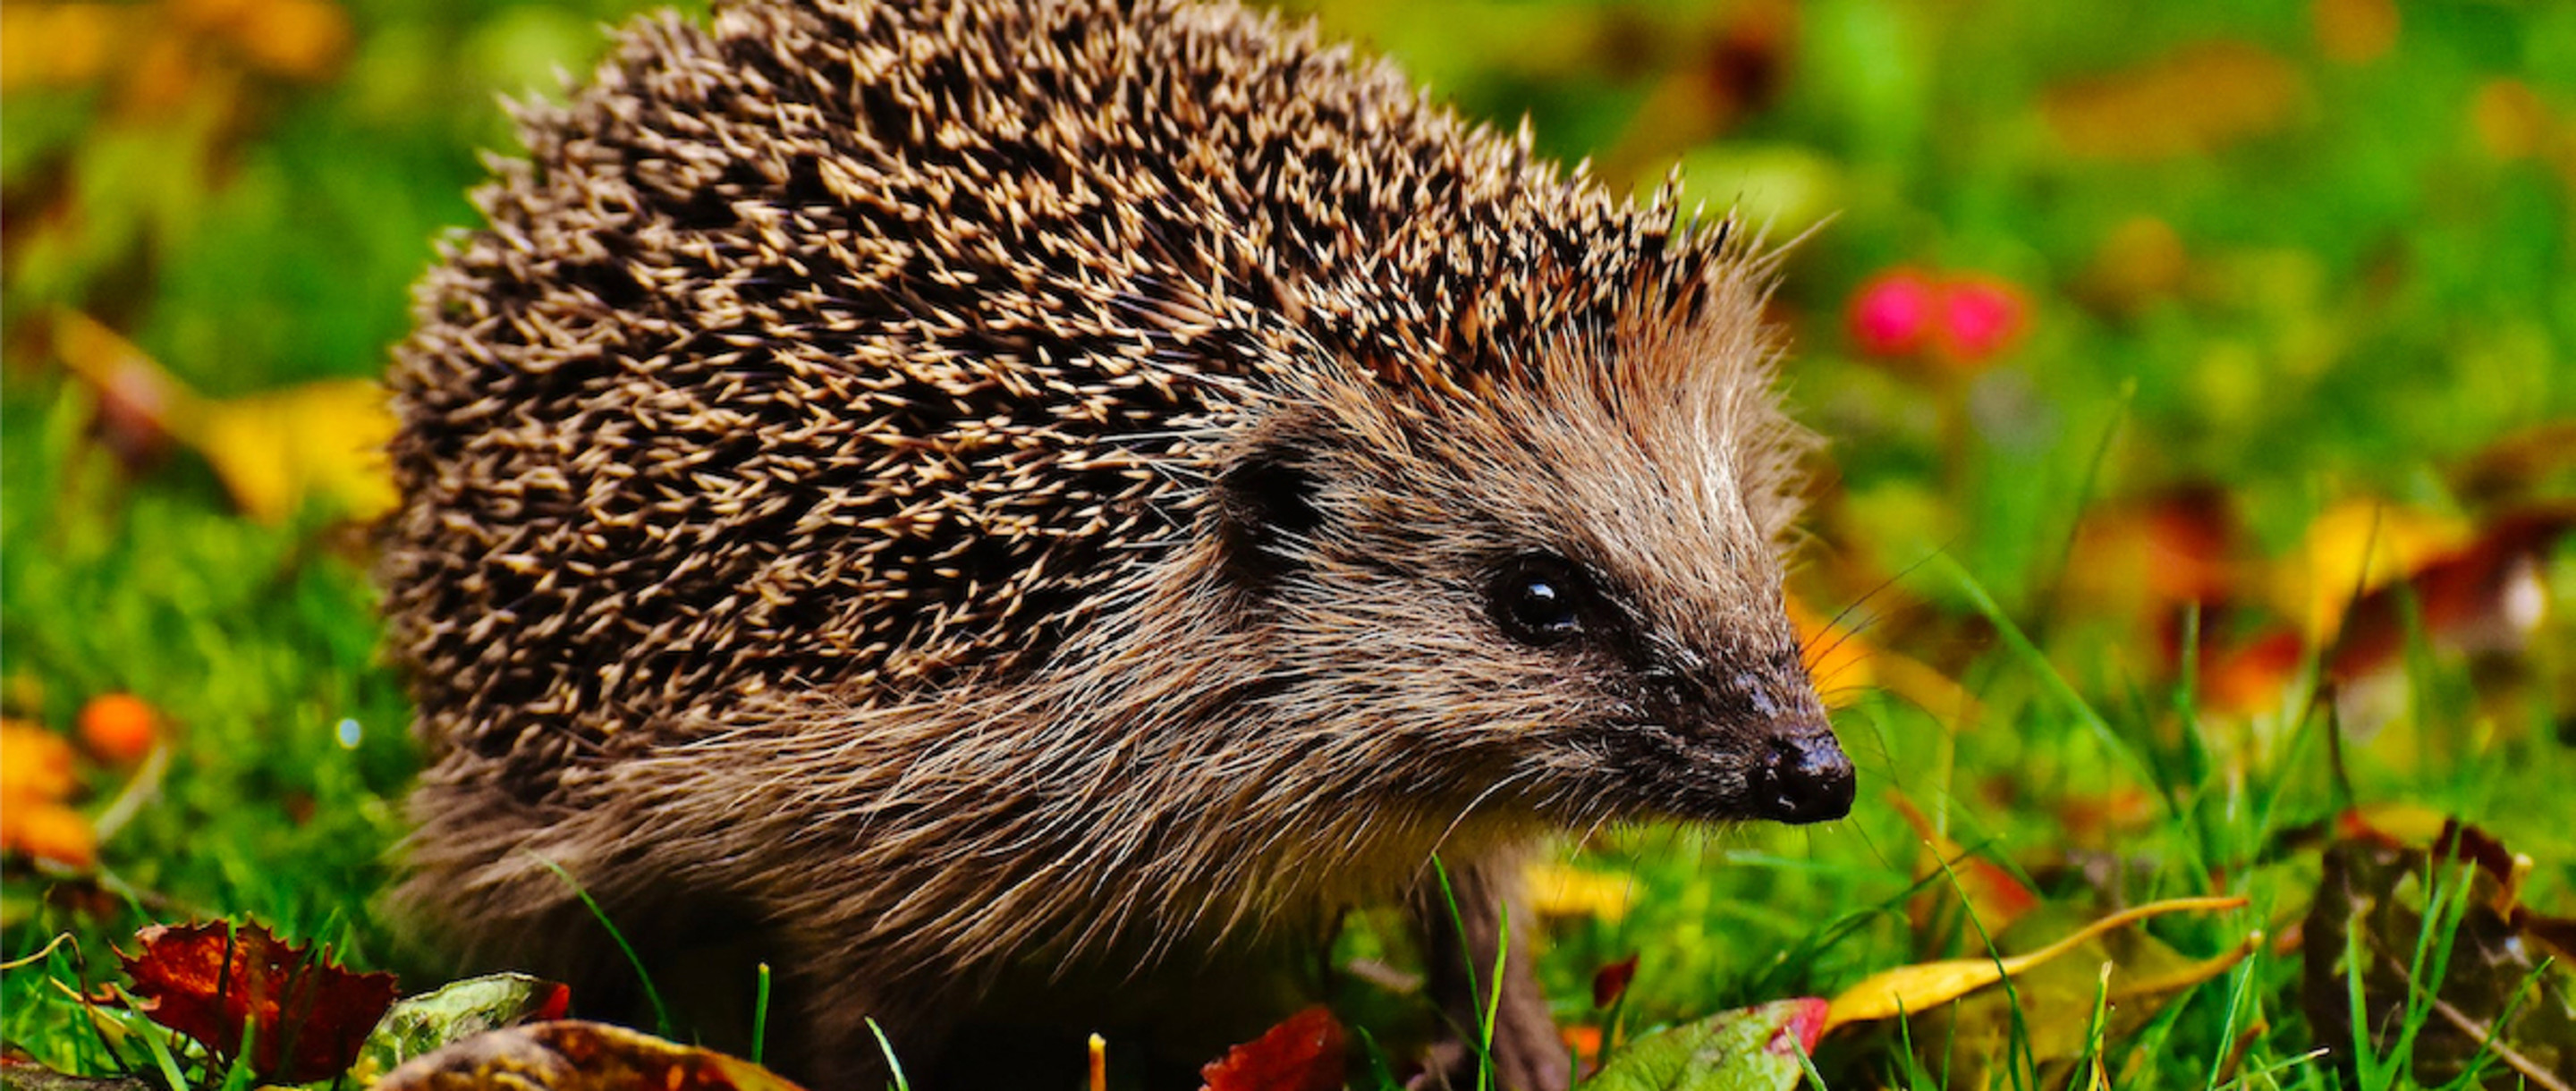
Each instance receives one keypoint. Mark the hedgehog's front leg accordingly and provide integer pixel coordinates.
(1459, 954)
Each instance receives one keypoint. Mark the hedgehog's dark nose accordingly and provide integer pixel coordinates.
(1804, 778)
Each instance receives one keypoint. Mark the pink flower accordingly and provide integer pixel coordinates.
(1892, 313)
(1981, 319)
(1962, 321)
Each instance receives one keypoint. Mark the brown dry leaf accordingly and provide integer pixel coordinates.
(2494, 1000)
(1891, 993)
(274, 450)
(1611, 981)
(2520, 468)
(2193, 101)
(572, 1055)
(207, 980)
(2486, 597)
(1302, 1053)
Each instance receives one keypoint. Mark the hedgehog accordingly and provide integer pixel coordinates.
(1024, 514)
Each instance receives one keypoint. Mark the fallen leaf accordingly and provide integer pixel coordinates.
(323, 439)
(1994, 898)
(62, 45)
(2146, 558)
(1302, 1053)
(207, 980)
(1748, 1049)
(273, 450)
(2492, 998)
(2251, 677)
(2355, 547)
(2049, 1014)
(1918, 987)
(48, 831)
(36, 776)
(1610, 981)
(418, 1025)
(2485, 597)
(35, 763)
(572, 1055)
(19, 1072)
(1845, 665)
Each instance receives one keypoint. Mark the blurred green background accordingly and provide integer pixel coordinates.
(2280, 301)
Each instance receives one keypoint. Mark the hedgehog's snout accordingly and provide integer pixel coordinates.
(1801, 776)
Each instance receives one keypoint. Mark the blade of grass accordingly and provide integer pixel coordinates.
(653, 996)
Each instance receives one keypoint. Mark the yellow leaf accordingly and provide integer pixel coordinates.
(2356, 546)
(275, 449)
(35, 764)
(1835, 656)
(323, 440)
(1914, 988)
(1559, 891)
(2184, 977)
(1844, 666)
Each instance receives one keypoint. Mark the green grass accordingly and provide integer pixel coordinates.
(2369, 297)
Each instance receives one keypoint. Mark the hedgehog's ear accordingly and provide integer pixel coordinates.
(1264, 501)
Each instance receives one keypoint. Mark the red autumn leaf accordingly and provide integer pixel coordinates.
(207, 980)
(2249, 677)
(1993, 896)
(1611, 980)
(1302, 1053)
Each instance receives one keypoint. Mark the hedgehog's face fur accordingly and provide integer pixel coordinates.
(1559, 596)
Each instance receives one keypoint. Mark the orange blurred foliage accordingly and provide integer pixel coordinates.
(119, 728)
(2193, 101)
(2355, 31)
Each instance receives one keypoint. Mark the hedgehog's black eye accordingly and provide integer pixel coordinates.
(1538, 600)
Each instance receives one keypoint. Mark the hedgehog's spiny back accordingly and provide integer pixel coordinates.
(842, 344)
